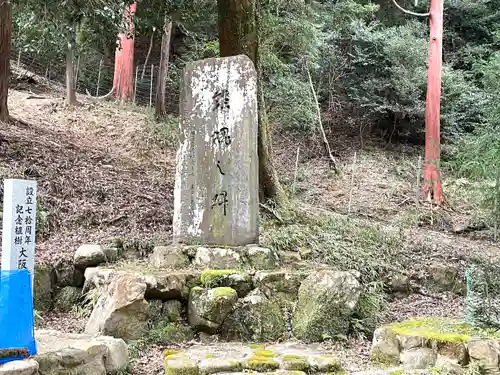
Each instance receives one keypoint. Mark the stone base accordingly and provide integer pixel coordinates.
(231, 358)
(64, 353)
(435, 343)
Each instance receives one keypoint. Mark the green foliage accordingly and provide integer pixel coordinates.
(478, 155)
(366, 316)
(336, 240)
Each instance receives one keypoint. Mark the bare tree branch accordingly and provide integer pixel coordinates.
(333, 163)
(410, 12)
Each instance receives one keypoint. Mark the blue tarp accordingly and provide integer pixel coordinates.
(16, 312)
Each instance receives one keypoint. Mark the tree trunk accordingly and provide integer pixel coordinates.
(5, 49)
(432, 187)
(123, 80)
(160, 108)
(239, 34)
(70, 74)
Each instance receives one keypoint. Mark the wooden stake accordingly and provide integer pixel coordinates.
(352, 184)
(417, 187)
(135, 82)
(98, 78)
(151, 88)
(76, 73)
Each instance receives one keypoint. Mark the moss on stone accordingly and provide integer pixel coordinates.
(262, 364)
(169, 354)
(326, 363)
(441, 330)
(294, 362)
(209, 355)
(383, 360)
(265, 353)
(290, 357)
(397, 372)
(211, 278)
(224, 292)
(180, 366)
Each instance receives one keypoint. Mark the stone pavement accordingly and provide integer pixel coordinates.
(66, 353)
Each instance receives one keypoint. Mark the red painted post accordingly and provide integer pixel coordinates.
(123, 80)
(432, 187)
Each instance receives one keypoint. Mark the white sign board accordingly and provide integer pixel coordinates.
(19, 219)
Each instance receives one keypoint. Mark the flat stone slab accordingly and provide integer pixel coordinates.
(24, 367)
(237, 357)
(432, 342)
(64, 353)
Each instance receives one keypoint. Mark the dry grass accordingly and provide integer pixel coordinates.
(99, 171)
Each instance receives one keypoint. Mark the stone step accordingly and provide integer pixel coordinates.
(228, 358)
(64, 353)
(166, 284)
(434, 342)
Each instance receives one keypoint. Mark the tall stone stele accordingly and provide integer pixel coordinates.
(216, 185)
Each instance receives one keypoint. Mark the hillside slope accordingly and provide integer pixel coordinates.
(107, 170)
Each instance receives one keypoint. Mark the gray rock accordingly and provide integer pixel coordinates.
(486, 352)
(325, 304)
(255, 318)
(121, 311)
(385, 347)
(216, 258)
(162, 285)
(262, 258)
(444, 277)
(207, 308)
(172, 310)
(280, 284)
(25, 367)
(89, 256)
(63, 353)
(408, 342)
(448, 365)
(170, 257)
(421, 358)
(43, 284)
(67, 274)
(239, 281)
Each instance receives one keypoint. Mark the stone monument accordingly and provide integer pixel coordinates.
(216, 185)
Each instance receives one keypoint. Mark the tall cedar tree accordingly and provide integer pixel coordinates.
(5, 48)
(239, 34)
(123, 81)
(432, 188)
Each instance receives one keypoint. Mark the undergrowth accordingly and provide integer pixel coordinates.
(336, 240)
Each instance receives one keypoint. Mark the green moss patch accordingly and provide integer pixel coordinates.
(213, 278)
(294, 362)
(442, 330)
(180, 366)
(262, 364)
(224, 292)
(265, 353)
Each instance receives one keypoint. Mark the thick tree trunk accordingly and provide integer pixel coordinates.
(160, 107)
(123, 80)
(239, 34)
(432, 188)
(70, 75)
(5, 49)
